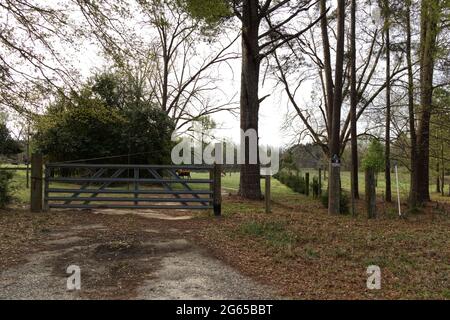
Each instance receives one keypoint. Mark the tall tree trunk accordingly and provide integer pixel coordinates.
(327, 65)
(353, 103)
(412, 121)
(165, 84)
(250, 186)
(388, 102)
(335, 145)
(428, 35)
(165, 69)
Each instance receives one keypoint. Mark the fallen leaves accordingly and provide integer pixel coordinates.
(330, 254)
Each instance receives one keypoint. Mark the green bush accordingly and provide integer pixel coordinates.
(374, 157)
(345, 202)
(294, 182)
(5, 189)
(101, 120)
(8, 145)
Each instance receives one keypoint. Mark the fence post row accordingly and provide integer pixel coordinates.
(320, 182)
(267, 194)
(136, 186)
(46, 188)
(36, 182)
(217, 189)
(307, 184)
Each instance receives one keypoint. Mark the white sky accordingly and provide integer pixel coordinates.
(272, 111)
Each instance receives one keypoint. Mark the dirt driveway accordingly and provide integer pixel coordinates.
(121, 255)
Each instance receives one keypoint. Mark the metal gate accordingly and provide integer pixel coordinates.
(99, 186)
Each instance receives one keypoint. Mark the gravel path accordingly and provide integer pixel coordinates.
(192, 275)
(166, 269)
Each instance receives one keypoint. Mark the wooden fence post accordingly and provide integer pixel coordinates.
(320, 182)
(211, 177)
(36, 183)
(307, 184)
(46, 187)
(371, 196)
(217, 190)
(267, 194)
(136, 186)
(28, 174)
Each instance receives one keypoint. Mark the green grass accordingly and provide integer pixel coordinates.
(231, 183)
(274, 233)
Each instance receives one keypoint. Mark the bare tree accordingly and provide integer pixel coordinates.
(334, 187)
(177, 77)
(316, 118)
(183, 82)
(353, 106)
(359, 96)
(31, 60)
(387, 38)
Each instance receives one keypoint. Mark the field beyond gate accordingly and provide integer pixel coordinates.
(98, 186)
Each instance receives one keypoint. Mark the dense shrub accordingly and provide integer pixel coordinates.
(5, 188)
(345, 202)
(294, 181)
(374, 157)
(8, 145)
(97, 123)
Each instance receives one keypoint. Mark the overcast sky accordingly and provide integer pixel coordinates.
(272, 111)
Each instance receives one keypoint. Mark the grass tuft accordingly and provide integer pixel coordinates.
(274, 233)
